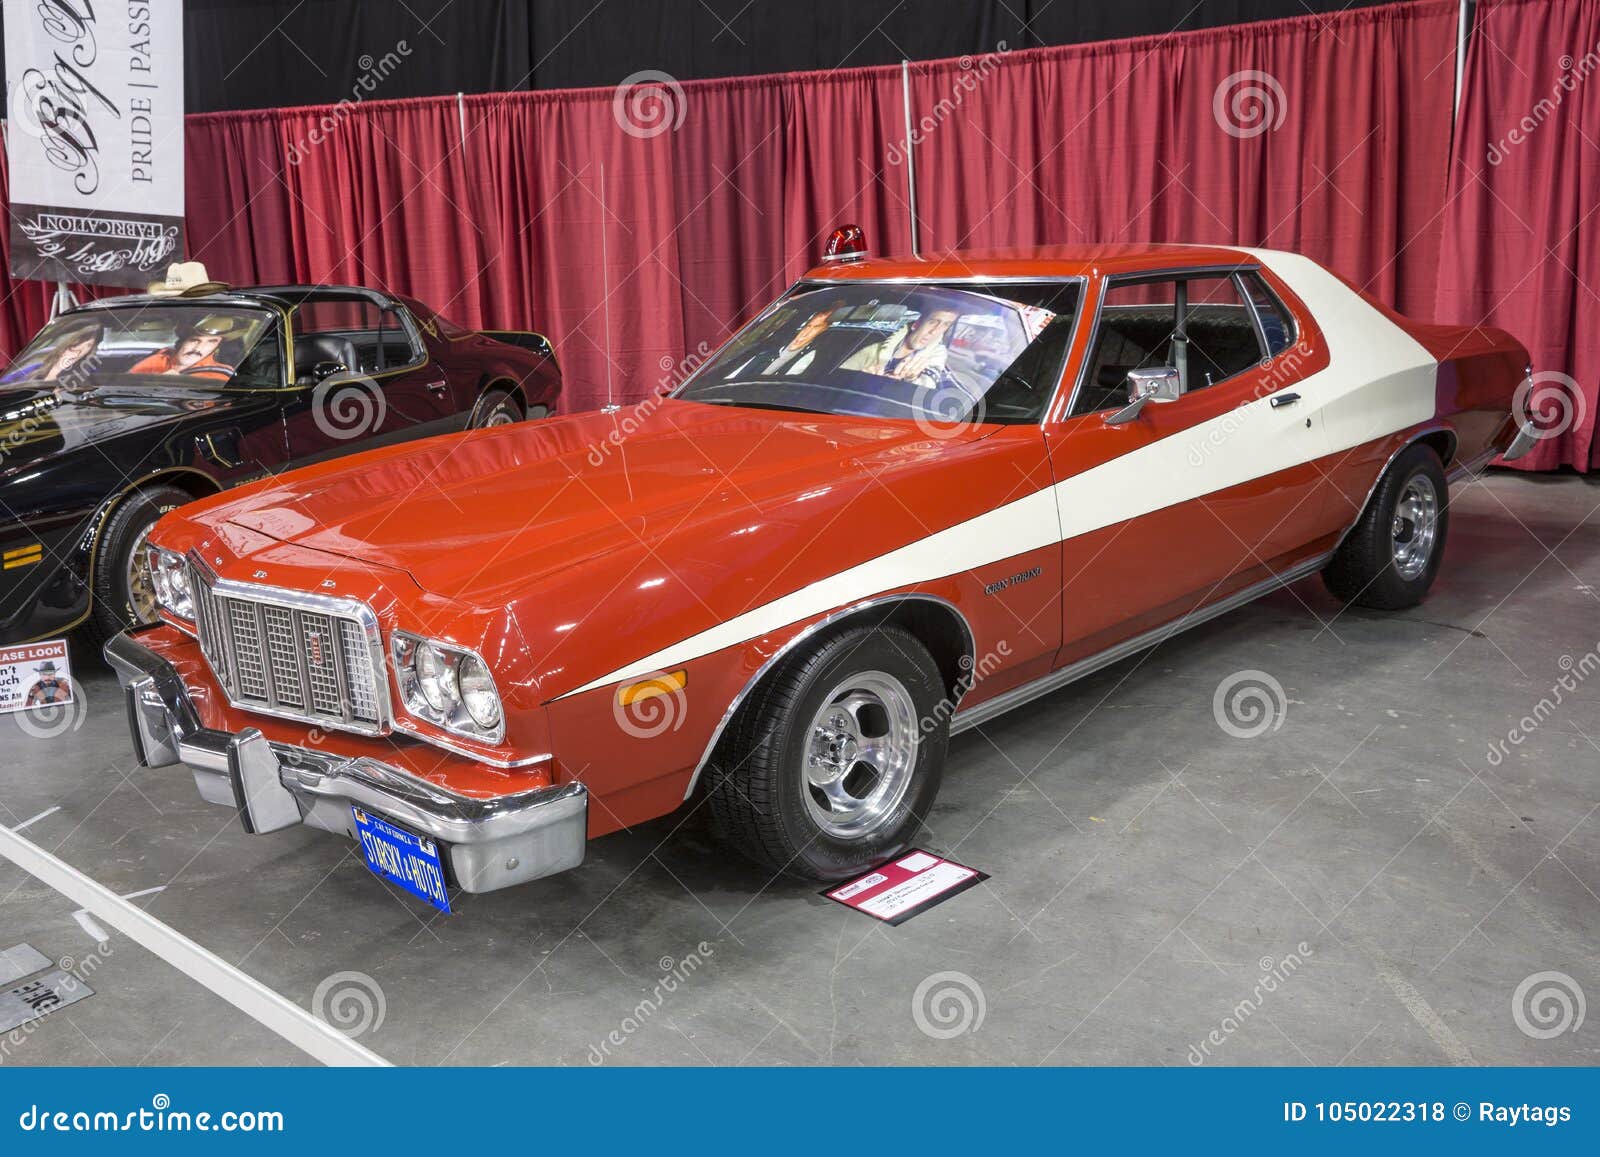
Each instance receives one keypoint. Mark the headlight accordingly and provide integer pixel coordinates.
(435, 679)
(478, 695)
(447, 686)
(169, 576)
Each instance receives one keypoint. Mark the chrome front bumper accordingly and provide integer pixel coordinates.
(487, 843)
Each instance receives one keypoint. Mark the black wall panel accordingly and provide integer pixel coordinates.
(264, 53)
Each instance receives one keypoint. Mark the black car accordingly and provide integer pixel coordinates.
(128, 407)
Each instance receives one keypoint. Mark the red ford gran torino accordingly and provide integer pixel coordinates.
(909, 496)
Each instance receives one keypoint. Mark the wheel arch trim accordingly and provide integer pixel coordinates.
(810, 631)
(90, 547)
(1417, 435)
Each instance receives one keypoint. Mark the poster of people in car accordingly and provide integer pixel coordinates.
(94, 138)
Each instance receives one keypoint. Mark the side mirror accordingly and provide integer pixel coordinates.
(1162, 384)
(322, 371)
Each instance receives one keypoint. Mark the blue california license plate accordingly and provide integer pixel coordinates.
(402, 858)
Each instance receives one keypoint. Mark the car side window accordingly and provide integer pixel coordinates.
(1277, 327)
(355, 332)
(262, 367)
(1200, 326)
(1219, 333)
(1138, 321)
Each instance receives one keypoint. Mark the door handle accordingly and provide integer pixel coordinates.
(1280, 400)
(439, 387)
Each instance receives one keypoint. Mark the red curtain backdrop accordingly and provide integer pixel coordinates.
(239, 208)
(1324, 136)
(636, 228)
(1521, 241)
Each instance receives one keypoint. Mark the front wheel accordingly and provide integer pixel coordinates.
(834, 762)
(1389, 559)
(122, 591)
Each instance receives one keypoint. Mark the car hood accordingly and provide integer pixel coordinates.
(474, 514)
(39, 421)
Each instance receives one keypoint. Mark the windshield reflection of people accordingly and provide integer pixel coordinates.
(193, 351)
(795, 355)
(75, 348)
(914, 353)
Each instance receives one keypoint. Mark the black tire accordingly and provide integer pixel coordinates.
(113, 604)
(757, 783)
(497, 407)
(1368, 569)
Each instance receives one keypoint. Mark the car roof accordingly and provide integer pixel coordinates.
(285, 296)
(1043, 261)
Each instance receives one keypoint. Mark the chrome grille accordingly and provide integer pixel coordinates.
(290, 654)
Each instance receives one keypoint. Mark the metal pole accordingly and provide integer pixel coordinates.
(461, 117)
(1463, 18)
(911, 156)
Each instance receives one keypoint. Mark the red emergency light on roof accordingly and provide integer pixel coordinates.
(848, 243)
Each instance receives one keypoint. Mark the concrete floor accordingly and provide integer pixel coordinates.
(1146, 868)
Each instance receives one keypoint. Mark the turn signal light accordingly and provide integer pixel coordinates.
(848, 243)
(653, 687)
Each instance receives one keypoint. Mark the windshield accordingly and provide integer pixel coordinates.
(196, 343)
(928, 352)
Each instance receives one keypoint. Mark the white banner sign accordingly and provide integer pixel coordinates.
(94, 136)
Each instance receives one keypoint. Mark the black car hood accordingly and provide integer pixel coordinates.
(39, 420)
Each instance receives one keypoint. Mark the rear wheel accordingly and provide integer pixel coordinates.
(835, 760)
(1390, 558)
(497, 407)
(123, 593)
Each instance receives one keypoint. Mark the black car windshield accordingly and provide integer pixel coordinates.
(194, 343)
(939, 353)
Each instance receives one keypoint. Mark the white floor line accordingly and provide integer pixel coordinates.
(49, 811)
(291, 1022)
(87, 922)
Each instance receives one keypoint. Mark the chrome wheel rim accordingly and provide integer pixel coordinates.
(1416, 526)
(141, 587)
(861, 751)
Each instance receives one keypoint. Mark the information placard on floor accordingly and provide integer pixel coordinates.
(34, 676)
(906, 885)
